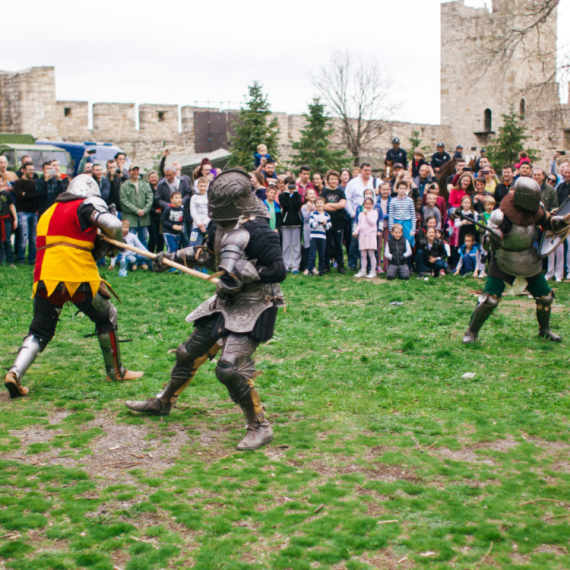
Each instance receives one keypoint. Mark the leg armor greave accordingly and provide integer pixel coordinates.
(487, 304)
(543, 310)
(236, 367)
(28, 352)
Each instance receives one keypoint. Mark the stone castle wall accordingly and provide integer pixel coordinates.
(469, 93)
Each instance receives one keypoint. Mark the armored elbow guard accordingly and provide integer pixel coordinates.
(232, 250)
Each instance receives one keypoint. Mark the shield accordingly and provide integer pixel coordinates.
(551, 240)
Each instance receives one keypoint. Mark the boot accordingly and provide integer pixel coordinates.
(487, 304)
(543, 306)
(28, 352)
(259, 431)
(162, 404)
(112, 357)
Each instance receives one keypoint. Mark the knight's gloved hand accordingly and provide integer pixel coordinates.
(228, 286)
(496, 241)
(103, 249)
(158, 264)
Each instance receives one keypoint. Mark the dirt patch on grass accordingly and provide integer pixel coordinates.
(336, 466)
(385, 559)
(465, 455)
(498, 445)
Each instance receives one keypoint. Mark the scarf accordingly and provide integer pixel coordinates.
(517, 215)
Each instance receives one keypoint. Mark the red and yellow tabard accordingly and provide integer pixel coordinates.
(70, 261)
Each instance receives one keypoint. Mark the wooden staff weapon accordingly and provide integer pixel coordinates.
(180, 267)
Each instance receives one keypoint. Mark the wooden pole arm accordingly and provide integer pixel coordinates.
(180, 267)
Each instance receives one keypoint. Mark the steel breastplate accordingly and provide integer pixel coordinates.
(518, 256)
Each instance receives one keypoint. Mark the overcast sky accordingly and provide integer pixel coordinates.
(185, 53)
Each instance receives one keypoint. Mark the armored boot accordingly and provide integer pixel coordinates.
(259, 430)
(28, 352)
(543, 306)
(487, 304)
(162, 404)
(112, 357)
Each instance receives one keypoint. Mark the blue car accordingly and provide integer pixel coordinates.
(103, 152)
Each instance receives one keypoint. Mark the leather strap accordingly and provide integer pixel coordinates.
(65, 244)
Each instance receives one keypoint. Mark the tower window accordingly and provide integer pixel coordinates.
(488, 121)
(522, 109)
(161, 116)
(67, 111)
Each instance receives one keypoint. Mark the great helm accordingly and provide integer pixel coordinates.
(231, 196)
(527, 194)
(84, 185)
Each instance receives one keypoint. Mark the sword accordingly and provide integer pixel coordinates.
(481, 225)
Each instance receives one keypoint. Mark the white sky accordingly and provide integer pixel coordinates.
(187, 52)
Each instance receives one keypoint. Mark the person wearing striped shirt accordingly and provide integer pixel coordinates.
(403, 212)
(320, 223)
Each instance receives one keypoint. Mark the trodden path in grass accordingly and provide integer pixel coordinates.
(396, 446)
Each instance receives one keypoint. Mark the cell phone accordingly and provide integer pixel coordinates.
(467, 169)
(562, 152)
(52, 171)
(91, 151)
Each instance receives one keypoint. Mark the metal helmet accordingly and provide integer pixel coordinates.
(231, 196)
(527, 194)
(84, 185)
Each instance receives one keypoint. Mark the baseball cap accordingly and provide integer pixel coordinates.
(133, 166)
(398, 165)
(395, 140)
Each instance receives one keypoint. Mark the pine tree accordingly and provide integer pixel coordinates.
(509, 142)
(416, 142)
(313, 149)
(252, 127)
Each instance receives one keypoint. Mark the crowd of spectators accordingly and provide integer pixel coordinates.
(418, 217)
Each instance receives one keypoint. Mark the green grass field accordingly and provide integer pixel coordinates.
(385, 455)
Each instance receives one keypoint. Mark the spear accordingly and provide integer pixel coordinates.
(183, 268)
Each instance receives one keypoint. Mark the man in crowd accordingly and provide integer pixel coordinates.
(335, 203)
(453, 178)
(505, 186)
(439, 158)
(304, 182)
(27, 208)
(396, 169)
(8, 175)
(548, 195)
(458, 152)
(425, 177)
(136, 202)
(115, 178)
(525, 170)
(102, 181)
(354, 194)
(268, 172)
(48, 187)
(396, 154)
(121, 159)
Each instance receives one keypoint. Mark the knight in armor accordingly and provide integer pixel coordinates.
(68, 246)
(513, 254)
(243, 311)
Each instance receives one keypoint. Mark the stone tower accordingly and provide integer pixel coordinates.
(476, 90)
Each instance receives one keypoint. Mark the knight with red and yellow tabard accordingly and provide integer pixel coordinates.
(68, 246)
(243, 311)
(511, 235)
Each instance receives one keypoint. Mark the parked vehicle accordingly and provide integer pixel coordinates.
(103, 152)
(38, 153)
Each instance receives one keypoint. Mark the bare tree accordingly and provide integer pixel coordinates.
(359, 93)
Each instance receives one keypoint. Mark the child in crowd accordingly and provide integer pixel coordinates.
(418, 162)
(172, 220)
(461, 226)
(384, 203)
(199, 213)
(261, 156)
(8, 223)
(320, 222)
(306, 211)
(440, 237)
(419, 215)
(367, 233)
(440, 202)
(126, 258)
(489, 204)
(431, 255)
(398, 251)
(430, 210)
(469, 257)
(403, 212)
(273, 207)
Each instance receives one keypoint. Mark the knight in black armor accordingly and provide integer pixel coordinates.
(513, 254)
(243, 311)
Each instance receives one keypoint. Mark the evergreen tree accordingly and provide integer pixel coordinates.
(416, 142)
(509, 142)
(313, 149)
(252, 127)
